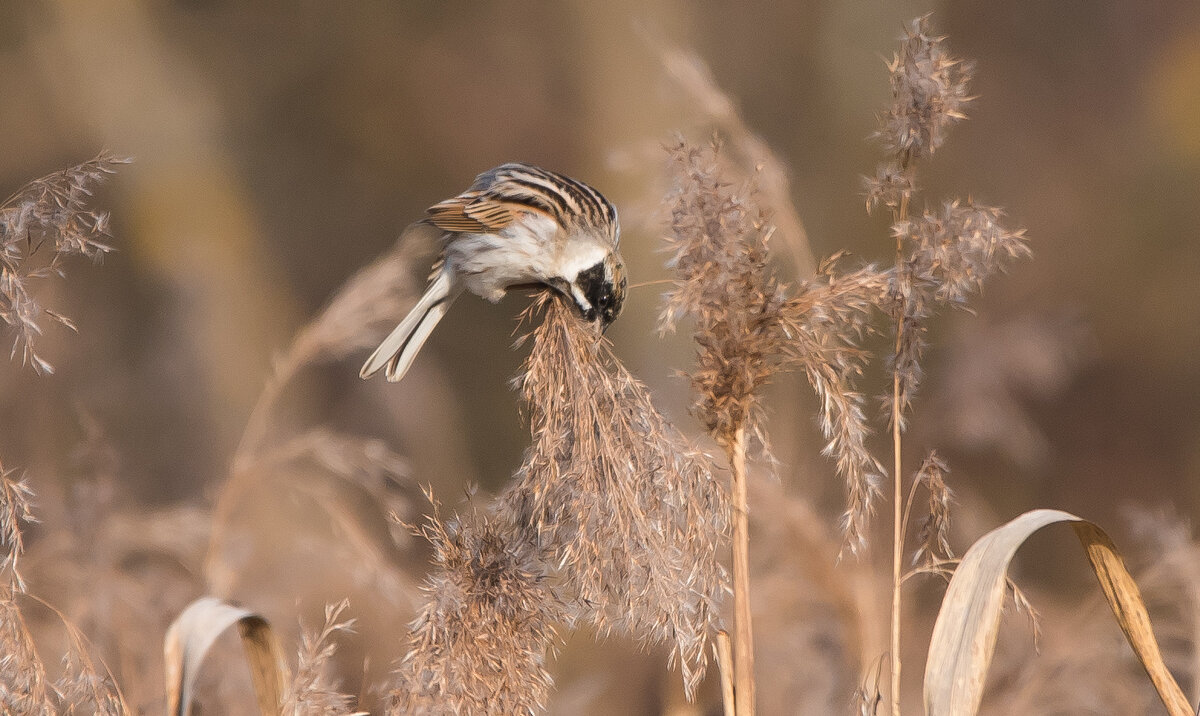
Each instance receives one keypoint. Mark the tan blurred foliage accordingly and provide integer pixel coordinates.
(277, 151)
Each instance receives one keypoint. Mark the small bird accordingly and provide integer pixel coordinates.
(516, 226)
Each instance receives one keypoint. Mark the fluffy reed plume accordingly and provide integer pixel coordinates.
(747, 326)
(624, 508)
(23, 682)
(16, 507)
(479, 645)
(719, 243)
(613, 520)
(49, 212)
(824, 323)
(945, 258)
(25, 686)
(929, 94)
(934, 536)
(942, 257)
(747, 329)
(311, 693)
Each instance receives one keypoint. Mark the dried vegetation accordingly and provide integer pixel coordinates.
(615, 522)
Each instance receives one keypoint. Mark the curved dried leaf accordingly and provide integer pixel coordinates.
(964, 636)
(192, 634)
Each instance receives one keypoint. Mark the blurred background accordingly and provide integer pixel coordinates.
(279, 151)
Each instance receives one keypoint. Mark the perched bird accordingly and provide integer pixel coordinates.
(517, 225)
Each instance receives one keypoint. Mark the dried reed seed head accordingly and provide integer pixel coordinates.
(891, 186)
(24, 687)
(311, 691)
(479, 644)
(934, 536)
(627, 512)
(947, 257)
(51, 211)
(54, 208)
(929, 94)
(83, 688)
(724, 283)
(955, 250)
(16, 507)
(747, 328)
(824, 323)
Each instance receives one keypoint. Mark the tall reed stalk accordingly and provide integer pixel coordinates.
(942, 257)
(743, 641)
(897, 501)
(747, 328)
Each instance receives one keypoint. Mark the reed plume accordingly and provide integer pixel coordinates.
(613, 520)
(627, 511)
(480, 643)
(50, 212)
(25, 685)
(942, 257)
(747, 328)
(312, 692)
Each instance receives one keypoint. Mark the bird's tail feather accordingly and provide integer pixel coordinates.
(402, 345)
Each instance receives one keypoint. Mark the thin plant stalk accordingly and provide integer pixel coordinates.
(725, 662)
(897, 545)
(743, 641)
(897, 483)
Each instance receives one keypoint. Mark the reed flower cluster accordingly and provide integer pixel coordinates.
(480, 643)
(48, 215)
(627, 511)
(929, 95)
(943, 257)
(748, 326)
(26, 685)
(613, 520)
(47, 218)
(718, 237)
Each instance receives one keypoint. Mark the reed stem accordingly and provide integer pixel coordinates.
(897, 484)
(743, 641)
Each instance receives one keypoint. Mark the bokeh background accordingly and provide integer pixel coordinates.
(279, 149)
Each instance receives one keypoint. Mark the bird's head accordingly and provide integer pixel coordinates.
(599, 290)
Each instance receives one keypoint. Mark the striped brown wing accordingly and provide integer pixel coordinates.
(452, 215)
(475, 211)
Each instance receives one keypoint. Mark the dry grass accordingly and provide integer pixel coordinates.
(41, 225)
(480, 643)
(615, 523)
(625, 508)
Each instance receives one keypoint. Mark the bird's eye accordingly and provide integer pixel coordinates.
(603, 300)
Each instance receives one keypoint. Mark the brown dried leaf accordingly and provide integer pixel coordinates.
(192, 634)
(964, 636)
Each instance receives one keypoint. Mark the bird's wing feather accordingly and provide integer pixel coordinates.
(487, 210)
(475, 211)
(452, 215)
